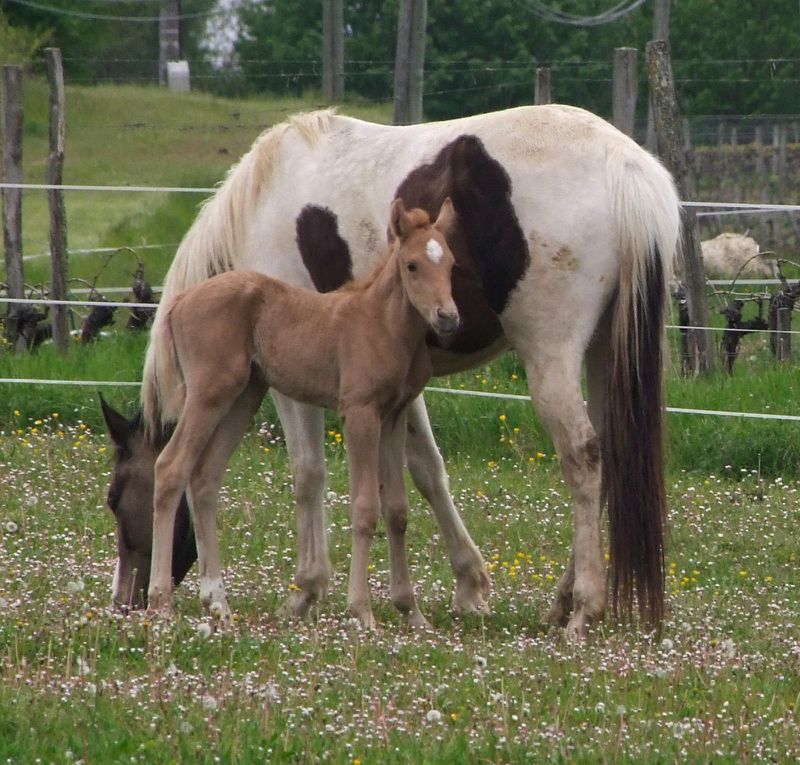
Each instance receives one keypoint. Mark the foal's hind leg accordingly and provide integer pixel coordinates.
(304, 427)
(204, 489)
(428, 473)
(394, 506)
(554, 381)
(174, 467)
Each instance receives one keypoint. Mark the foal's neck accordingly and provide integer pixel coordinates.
(387, 292)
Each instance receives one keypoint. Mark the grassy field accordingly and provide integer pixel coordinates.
(79, 682)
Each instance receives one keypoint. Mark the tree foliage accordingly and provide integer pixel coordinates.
(730, 56)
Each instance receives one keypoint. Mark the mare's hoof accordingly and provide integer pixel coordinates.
(221, 611)
(559, 613)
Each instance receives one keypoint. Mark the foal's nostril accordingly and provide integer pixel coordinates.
(446, 320)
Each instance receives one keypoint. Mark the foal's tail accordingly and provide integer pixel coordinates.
(163, 389)
(646, 211)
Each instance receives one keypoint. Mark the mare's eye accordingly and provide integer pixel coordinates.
(412, 267)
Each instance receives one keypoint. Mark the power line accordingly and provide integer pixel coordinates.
(107, 17)
(560, 17)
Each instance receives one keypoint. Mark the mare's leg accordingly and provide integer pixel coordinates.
(554, 382)
(204, 489)
(426, 466)
(304, 427)
(362, 435)
(596, 367)
(201, 414)
(394, 506)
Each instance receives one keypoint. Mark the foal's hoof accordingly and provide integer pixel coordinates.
(416, 621)
(472, 594)
(362, 619)
(297, 606)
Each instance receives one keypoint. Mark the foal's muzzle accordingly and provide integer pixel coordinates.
(446, 321)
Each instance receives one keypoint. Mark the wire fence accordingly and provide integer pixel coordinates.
(731, 207)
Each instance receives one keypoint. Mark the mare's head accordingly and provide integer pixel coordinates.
(426, 263)
(130, 497)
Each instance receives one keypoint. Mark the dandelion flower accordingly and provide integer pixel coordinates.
(75, 586)
(434, 716)
(204, 630)
(11, 527)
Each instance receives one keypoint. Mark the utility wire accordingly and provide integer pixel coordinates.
(108, 17)
(560, 17)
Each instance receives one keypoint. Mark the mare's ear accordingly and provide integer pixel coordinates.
(118, 427)
(400, 225)
(447, 216)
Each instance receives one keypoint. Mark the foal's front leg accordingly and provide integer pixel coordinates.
(362, 433)
(394, 506)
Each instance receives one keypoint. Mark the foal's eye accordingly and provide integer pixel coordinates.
(412, 267)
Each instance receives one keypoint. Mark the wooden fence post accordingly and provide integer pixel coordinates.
(169, 37)
(542, 91)
(784, 339)
(409, 61)
(332, 49)
(12, 198)
(670, 148)
(55, 198)
(625, 86)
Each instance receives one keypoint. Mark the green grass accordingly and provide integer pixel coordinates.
(77, 681)
(129, 135)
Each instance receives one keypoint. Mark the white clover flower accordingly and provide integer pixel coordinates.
(729, 647)
(11, 527)
(434, 716)
(210, 703)
(204, 630)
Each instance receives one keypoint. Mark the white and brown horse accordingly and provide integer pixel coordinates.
(361, 350)
(565, 231)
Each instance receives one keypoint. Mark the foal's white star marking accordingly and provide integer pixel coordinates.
(434, 250)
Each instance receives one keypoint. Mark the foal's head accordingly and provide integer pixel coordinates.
(130, 497)
(426, 263)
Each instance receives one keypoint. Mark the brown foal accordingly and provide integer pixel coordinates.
(220, 345)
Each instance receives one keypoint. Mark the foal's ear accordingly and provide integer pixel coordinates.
(400, 225)
(447, 216)
(118, 427)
